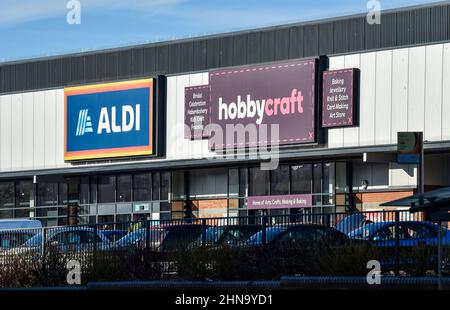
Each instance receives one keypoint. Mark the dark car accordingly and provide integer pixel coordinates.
(287, 236)
(231, 235)
(163, 237)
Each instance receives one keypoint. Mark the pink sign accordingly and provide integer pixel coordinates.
(279, 202)
(339, 98)
(282, 94)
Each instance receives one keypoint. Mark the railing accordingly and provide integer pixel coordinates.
(397, 236)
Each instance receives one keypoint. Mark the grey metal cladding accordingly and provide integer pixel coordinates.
(403, 27)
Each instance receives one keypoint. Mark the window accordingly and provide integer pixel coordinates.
(233, 182)
(23, 195)
(259, 182)
(156, 186)
(387, 233)
(6, 195)
(63, 194)
(279, 183)
(106, 189)
(317, 184)
(243, 182)
(301, 182)
(47, 194)
(178, 185)
(420, 231)
(142, 187)
(124, 188)
(165, 185)
(328, 183)
(93, 189)
(84, 191)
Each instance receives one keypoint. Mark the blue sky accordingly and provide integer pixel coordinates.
(36, 28)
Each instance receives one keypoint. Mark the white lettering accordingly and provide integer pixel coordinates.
(103, 123)
(127, 126)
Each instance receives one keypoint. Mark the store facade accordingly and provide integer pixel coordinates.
(180, 129)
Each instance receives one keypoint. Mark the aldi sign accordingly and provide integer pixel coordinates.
(109, 120)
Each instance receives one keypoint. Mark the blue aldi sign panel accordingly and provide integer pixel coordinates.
(109, 120)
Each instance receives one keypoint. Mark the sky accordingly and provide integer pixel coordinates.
(39, 28)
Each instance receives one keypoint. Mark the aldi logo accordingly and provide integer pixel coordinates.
(109, 120)
(84, 123)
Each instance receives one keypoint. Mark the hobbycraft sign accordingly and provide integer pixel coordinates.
(282, 94)
(109, 120)
(338, 108)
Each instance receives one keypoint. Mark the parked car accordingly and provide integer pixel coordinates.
(232, 235)
(351, 223)
(287, 236)
(114, 234)
(163, 237)
(410, 233)
(19, 224)
(10, 239)
(65, 240)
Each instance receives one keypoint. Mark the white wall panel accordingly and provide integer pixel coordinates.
(383, 98)
(433, 92)
(17, 130)
(351, 134)
(177, 146)
(446, 93)
(59, 142)
(416, 94)
(5, 132)
(28, 131)
(336, 135)
(50, 118)
(400, 76)
(368, 99)
(402, 175)
(39, 130)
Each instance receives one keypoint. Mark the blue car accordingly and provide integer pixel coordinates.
(114, 235)
(410, 233)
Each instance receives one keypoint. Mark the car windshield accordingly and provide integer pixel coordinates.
(351, 223)
(139, 236)
(212, 235)
(34, 241)
(271, 234)
(366, 231)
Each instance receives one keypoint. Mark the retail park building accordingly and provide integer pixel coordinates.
(101, 136)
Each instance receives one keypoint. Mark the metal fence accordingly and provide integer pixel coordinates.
(398, 236)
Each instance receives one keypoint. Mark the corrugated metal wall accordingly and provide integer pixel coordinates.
(415, 26)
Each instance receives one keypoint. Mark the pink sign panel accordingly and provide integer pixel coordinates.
(339, 98)
(279, 202)
(281, 94)
(196, 111)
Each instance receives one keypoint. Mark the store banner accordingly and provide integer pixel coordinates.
(279, 202)
(339, 98)
(196, 111)
(109, 120)
(282, 94)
